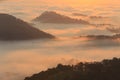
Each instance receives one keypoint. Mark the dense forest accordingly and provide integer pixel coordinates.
(104, 70)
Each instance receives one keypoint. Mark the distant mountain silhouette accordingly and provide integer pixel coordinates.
(104, 70)
(91, 17)
(116, 36)
(79, 14)
(12, 28)
(53, 17)
(98, 17)
(113, 29)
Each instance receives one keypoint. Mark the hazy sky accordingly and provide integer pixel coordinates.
(74, 2)
(83, 2)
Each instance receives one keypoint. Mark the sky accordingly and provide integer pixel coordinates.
(84, 2)
(73, 2)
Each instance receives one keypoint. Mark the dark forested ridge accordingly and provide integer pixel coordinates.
(104, 70)
(12, 28)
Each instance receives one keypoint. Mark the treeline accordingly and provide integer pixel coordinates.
(104, 70)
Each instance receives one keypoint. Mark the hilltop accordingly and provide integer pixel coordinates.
(54, 17)
(12, 28)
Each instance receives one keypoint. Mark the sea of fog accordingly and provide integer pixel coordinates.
(23, 58)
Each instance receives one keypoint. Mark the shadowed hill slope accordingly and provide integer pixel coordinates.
(12, 28)
(53, 17)
(105, 70)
